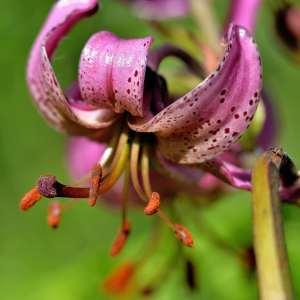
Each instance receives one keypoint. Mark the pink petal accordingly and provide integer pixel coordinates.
(209, 119)
(243, 13)
(241, 178)
(82, 155)
(229, 173)
(41, 78)
(268, 135)
(160, 9)
(112, 72)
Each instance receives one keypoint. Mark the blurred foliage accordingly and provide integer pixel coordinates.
(39, 263)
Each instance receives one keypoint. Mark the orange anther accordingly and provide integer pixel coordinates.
(95, 184)
(54, 214)
(183, 235)
(121, 239)
(118, 281)
(153, 204)
(30, 198)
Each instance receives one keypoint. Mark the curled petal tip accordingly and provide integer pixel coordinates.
(209, 119)
(112, 72)
(42, 81)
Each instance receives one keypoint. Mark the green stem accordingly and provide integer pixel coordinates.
(274, 279)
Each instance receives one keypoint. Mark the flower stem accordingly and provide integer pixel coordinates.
(274, 278)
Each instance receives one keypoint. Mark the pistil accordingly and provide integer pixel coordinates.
(49, 187)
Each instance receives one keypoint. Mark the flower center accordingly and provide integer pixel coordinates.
(128, 156)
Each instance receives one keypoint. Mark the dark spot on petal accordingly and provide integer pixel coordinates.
(223, 92)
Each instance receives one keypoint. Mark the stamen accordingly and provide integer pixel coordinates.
(153, 204)
(134, 161)
(107, 154)
(95, 184)
(54, 214)
(122, 236)
(183, 235)
(109, 157)
(49, 187)
(122, 142)
(30, 199)
(145, 164)
(125, 194)
(118, 164)
(121, 239)
(112, 146)
(118, 281)
(154, 198)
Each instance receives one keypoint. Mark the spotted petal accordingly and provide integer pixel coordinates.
(112, 72)
(42, 81)
(209, 119)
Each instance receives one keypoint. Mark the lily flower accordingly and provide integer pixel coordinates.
(119, 100)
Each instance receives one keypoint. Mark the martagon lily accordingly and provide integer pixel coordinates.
(121, 103)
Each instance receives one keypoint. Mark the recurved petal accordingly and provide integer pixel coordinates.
(112, 72)
(210, 118)
(42, 81)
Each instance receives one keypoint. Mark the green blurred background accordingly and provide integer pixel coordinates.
(69, 263)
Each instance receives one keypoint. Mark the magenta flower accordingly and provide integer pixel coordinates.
(159, 9)
(120, 100)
